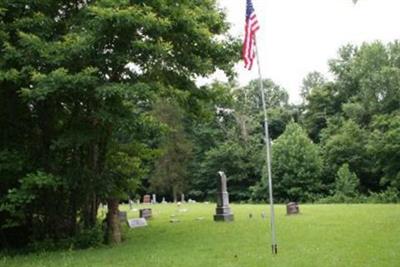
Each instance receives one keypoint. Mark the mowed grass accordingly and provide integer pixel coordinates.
(322, 235)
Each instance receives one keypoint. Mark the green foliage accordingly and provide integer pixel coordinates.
(231, 140)
(170, 174)
(240, 162)
(321, 105)
(85, 238)
(20, 202)
(78, 80)
(391, 195)
(384, 147)
(346, 182)
(351, 115)
(88, 238)
(296, 165)
(346, 142)
(312, 81)
(98, 101)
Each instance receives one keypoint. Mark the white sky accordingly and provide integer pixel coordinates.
(300, 36)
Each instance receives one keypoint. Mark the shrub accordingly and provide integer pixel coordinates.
(89, 237)
(391, 195)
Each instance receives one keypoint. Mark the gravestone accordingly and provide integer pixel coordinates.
(183, 198)
(292, 208)
(154, 199)
(222, 212)
(135, 223)
(164, 201)
(145, 213)
(122, 216)
(146, 199)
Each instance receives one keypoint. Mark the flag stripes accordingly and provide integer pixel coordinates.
(251, 27)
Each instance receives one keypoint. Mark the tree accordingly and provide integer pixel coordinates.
(383, 147)
(249, 105)
(346, 182)
(170, 170)
(276, 96)
(76, 78)
(311, 81)
(346, 143)
(340, 114)
(296, 165)
(321, 105)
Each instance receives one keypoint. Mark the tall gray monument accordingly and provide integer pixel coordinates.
(222, 212)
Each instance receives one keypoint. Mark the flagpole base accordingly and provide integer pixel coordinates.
(274, 249)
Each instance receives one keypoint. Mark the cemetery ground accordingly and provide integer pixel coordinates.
(322, 235)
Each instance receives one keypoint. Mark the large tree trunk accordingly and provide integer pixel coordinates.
(90, 211)
(113, 224)
(92, 202)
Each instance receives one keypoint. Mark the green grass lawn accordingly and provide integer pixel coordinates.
(323, 235)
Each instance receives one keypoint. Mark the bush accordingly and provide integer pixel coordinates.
(339, 199)
(89, 237)
(85, 238)
(391, 195)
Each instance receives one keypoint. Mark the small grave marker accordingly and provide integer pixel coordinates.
(122, 216)
(145, 213)
(146, 199)
(292, 208)
(263, 215)
(136, 223)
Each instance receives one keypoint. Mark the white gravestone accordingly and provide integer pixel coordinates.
(136, 223)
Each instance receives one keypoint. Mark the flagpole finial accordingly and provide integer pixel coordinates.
(355, 1)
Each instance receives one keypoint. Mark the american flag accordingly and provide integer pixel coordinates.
(251, 27)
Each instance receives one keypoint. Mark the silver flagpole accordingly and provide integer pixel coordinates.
(268, 157)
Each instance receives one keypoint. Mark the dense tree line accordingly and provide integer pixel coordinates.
(78, 84)
(99, 103)
(345, 133)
